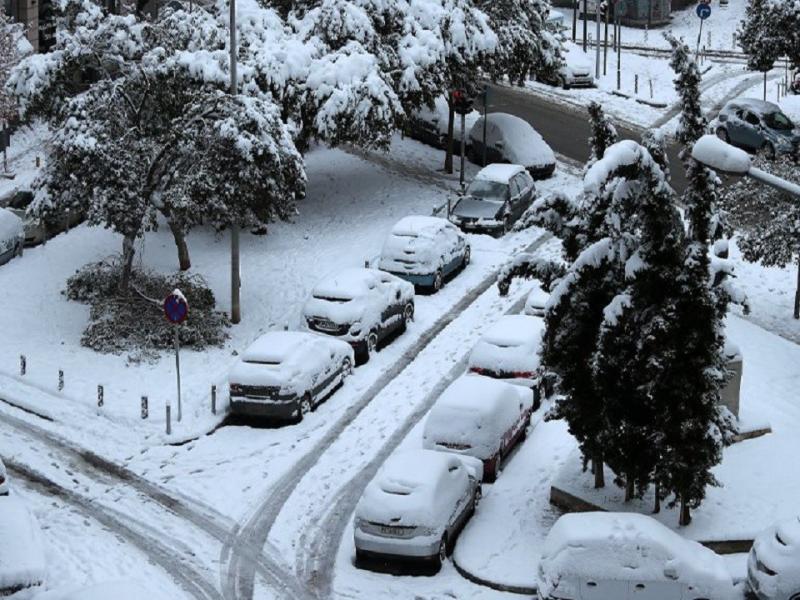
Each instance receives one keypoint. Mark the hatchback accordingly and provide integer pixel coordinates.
(495, 199)
(362, 307)
(510, 139)
(425, 251)
(773, 566)
(285, 374)
(756, 125)
(415, 507)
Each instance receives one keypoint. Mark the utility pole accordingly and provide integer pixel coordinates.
(619, 51)
(236, 308)
(605, 41)
(597, 53)
(575, 21)
(585, 14)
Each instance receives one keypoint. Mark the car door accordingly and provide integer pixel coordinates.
(594, 588)
(736, 127)
(752, 131)
(528, 189)
(461, 496)
(452, 247)
(515, 197)
(391, 298)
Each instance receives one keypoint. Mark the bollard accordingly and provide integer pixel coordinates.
(213, 399)
(449, 208)
(22, 364)
(651, 88)
(709, 38)
(38, 162)
(100, 396)
(144, 407)
(60, 380)
(366, 264)
(636, 84)
(169, 423)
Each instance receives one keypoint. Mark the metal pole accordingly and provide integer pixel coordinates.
(699, 35)
(485, 110)
(169, 419)
(775, 182)
(605, 41)
(178, 369)
(236, 309)
(575, 21)
(597, 53)
(585, 14)
(765, 86)
(619, 54)
(463, 147)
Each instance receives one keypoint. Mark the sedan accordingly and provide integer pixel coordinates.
(773, 566)
(12, 235)
(22, 559)
(286, 374)
(495, 199)
(362, 307)
(415, 508)
(510, 139)
(425, 251)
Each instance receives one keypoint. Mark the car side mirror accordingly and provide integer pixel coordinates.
(670, 573)
(723, 118)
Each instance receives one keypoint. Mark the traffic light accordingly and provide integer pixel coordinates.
(462, 102)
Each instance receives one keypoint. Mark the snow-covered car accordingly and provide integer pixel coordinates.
(415, 507)
(773, 566)
(605, 555)
(576, 70)
(510, 139)
(360, 306)
(509, 350)
(12, 235)
(36, 229)
(494, 200)
(481, 417)
(535, 302)
(286, 374)
(22, 559)
(756, 125)
(111, 590)
(429, 126)
(424, 251)
(4, 489)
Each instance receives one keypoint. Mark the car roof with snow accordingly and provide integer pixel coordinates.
(477, 394)
(499, 172)
(419, 225)
(348, 283)
(514, 330)
(22, 559)
(761, 106)
(278, 346)
(523, 144)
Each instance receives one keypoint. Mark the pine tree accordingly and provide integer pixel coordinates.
(603, 132)
(768, 31)
(10, 36)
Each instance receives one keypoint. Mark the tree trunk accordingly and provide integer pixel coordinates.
(597, 469)
(657, 503)
(183, 249)
(451, 117)
(797, 292)
(629, 488)
(686, 516)
(127, 261)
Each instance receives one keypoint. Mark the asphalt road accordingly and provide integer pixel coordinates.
(566, 129)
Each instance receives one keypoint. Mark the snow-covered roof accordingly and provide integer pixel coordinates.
(416, 225)
(514, 330)
(761, 106)
(22, 560)
(440, 116)
(478, 395)
(276, 346)
(499, 173)
(347, 284)
(523, 144)
(116, 590)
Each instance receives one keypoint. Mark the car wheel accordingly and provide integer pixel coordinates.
(490, 471)
(467, 257)
(506, 224)
(408, 312)
(769, 151)
(564, 83)
(438, 281)
(372, 343)
(476, 499)
(443, 550)
(347, 368)
(723, 135)
(305, 405)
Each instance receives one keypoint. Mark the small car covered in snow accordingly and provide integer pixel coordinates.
(425, 251)
(12, 235)
(577, 70)
(495, 199)
(509, 350)
(22, 559)
(285, 374)
(429, 126)
(362, 307)
(415, 507)
(536, 302)
(773, 566)
(510, 139)
(605, 555)
(481, 417)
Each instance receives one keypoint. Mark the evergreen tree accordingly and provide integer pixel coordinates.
(769, 31)
(603, 135)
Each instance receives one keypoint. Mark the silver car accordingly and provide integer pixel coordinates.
(415, 508)
(756, 125)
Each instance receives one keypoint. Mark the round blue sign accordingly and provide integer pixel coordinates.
(703, 11)
(176, 308)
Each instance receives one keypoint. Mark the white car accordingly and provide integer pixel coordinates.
(510, 139)
(12, 235)
(773, 566)
(415, 507)
(480, 417)
(429, 126)
(362, 307)
(535, 302)
(22, 560)
(112, 590)
(577, 70)
(509, 350)
(4, 489)
(425, 251)
(605, 556)
(285, 374)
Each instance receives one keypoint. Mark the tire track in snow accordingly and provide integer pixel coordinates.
(238, 584)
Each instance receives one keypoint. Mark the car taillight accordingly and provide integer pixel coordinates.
(477, 370)
(522, 375)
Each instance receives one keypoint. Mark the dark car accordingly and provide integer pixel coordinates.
(756, 125)
(510, 139)
(429, 126)
(494, 200)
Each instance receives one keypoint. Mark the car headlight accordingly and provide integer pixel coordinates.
(359, 522)
(235, 388)
(355, 329)
(455, 219)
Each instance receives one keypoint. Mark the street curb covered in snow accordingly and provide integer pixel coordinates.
(500, 587)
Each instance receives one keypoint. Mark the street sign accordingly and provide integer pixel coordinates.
(176, 309)
(703, 11)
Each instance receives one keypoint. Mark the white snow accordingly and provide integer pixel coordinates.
(22, 557)
(499, 173)
(778, 549)
(440, 116)
(536, 301)
(118, 590)
(522, 143)
(713, 152)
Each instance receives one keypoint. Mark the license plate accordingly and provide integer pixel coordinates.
(391, 531)
(327, 325)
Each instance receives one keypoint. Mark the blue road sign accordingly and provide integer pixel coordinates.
(175, 307)
(703, 11)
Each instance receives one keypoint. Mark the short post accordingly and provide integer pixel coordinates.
(22, 364)
(178, 368)
(636, 84)
(213, 399)
(169, 418)
(619, 54)
(645, 32)
(449, 207)
(366, 264)
(145, 411)
(733, 41)
(38, 161)
(100, 396)
(60, 380)
(651, 88)
(463, 147)
(709, 38)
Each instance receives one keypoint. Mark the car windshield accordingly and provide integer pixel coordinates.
(333, 298)
(778, 120)
(488, 190)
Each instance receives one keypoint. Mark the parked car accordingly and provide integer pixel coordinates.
(38, 230)
(509, 350)
(510, 139)
(4, 489)
(22, 560)
(794, 87)
(481, 417)
(12, 235)
(286, 374)
(112, 590)
(773, 566)
(556, 21)
(415, 507)
(535, 302)
(429, 126)
(425, 251)
(495, 199)
(362, 307)
(604, 555)
(576, 70)
(756, 125)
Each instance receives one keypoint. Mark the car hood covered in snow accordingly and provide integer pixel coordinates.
(22, 560)
(475, 208)
(778, 549)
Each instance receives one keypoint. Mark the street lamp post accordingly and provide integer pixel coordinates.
(236, 308)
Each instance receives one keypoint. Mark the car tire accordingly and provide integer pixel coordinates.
(476, 499)
(506, 225)
(438, 281)
(769, 150)
(444, 551)
(408, 313)
(361, 353)
(372, 343)
(490, 473)
(347, 368)
(564, 83)
(723, 135)
(467, 257)
(19, 249)
(306, 405)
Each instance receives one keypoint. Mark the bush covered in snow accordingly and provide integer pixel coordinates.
(133, 322)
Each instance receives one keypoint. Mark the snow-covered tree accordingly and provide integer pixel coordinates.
(770, 29)
(603, 132)
(13, 46)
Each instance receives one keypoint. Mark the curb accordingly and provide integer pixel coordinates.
(500, 587)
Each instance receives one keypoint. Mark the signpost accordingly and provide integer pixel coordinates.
(176, 309)
(703, 11)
